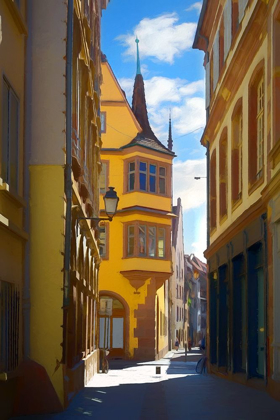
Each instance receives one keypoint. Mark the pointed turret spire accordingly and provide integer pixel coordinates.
(139, 106)
(170, 140)
(138, 67)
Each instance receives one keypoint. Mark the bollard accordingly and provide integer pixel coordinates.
(158, 370)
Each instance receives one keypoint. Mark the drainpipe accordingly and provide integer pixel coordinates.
(68, 171)
(207, 192)
(26, 181)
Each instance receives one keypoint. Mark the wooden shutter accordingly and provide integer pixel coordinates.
(216, 61)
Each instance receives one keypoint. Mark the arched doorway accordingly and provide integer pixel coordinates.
(113, 327)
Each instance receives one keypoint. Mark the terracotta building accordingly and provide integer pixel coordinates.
(136, 247)
(241, 43)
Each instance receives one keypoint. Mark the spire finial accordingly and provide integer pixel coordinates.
(138, 67)
(170, 140)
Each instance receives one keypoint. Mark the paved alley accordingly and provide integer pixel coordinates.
(135, 392)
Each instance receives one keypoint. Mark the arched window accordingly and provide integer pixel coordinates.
(256, 125)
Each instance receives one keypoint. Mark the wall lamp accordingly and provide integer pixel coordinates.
(111, 201)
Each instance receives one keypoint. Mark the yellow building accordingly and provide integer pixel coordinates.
(13, 236)
(53, 280)
(135, 247)
(241, 44)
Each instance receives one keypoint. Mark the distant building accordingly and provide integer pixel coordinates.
(196, 297)
(176, 282)
(241, 43)
(136, 246)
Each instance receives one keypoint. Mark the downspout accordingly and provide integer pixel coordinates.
(68, 173)
(26, 179)
(207, 192)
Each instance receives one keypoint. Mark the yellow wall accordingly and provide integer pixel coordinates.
(121, 125)
(116, 173)
(46, 264)
(120, 117)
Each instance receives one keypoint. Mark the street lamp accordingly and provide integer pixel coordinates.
(111, 203)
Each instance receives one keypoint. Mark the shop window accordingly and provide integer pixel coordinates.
(236, 153)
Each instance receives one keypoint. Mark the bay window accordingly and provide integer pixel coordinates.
(146, 240)
(146, 176)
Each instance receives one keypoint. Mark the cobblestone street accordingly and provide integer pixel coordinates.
(135, 392)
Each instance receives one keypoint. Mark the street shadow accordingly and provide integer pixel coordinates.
(193, 396)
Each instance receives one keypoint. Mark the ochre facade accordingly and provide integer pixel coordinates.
(136, 244)
(49, 187)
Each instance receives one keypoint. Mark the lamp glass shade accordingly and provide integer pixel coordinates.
(111, 202)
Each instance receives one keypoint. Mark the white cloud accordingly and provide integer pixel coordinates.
(190, 116)
(161, 38)
(191, 191)
(188, 111)
(195, 6)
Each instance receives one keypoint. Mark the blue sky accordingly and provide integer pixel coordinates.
(174, 80)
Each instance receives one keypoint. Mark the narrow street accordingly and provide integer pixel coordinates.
(134, 391)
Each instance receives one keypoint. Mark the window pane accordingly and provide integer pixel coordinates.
(142, 240)
(103, 122)
(152, 241)
(143, 166)
(13, 141)
(152, 169)
(161, 242)
(142, 181)
(162, 171)
(131, 181)
(102, 237)
(162, 185)
(130, 244)
(152, 183)
(5, 133)
(131, 176)
(103, 178)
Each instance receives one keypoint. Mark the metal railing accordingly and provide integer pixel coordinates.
(9, 326)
